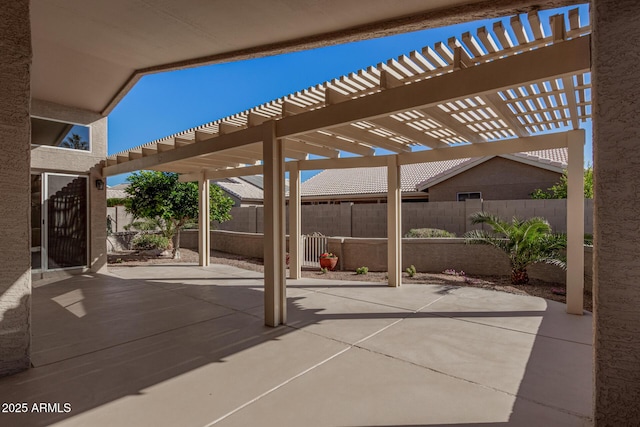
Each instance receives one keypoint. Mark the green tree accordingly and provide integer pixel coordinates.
(525, 242)
(162, 199)
(559, 190)
(75, 141)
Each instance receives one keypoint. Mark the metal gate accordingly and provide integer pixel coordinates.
(314, 245)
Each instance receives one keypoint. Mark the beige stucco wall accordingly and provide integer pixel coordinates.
(496, 179)
(617, 218)
(15, 264)
(54, 159)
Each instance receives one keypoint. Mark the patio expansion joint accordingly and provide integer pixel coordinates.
(497, 390)
(306, 371)
(133, 340)
(408, 310)
(507, 329)
(358, 345)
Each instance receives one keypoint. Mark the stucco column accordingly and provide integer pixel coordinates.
(394, 223)
(295, 222)
(616, 278)
(15, 209)
(275, 307)
(575, 222)
(204, 222)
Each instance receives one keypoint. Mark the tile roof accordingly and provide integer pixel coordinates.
(241, 188)
(117, 191)
(374, 180)
(371, 180)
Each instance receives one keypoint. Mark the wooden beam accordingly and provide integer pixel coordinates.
(275, 299)
(343, 163)
(508, 146)
(570, 94)
(337, 143)
(222, 173)
(497, 104)
(304, 147)
(367, 137)
(449, 122)
(222, 142)
(165, 146)
(147, 151)
(401, 128)
(226, 128)
(204, 225)
(293, 154)
(394, 222)
(181, 142)
(203, 136)
(255, 119)
(295, 223)
(556, 60)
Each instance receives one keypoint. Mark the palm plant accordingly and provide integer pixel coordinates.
(525, 242)
(75, 141)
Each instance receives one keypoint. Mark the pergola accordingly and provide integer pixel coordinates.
(517, 87)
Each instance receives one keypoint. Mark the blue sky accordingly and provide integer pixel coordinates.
(166, 103)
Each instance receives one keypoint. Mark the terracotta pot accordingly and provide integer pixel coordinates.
(328, 263)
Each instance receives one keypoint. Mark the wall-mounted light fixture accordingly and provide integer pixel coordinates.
(99, 184)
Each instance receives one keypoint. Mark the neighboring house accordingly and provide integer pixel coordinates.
(245, 190)
(506, 177)
(117, 191)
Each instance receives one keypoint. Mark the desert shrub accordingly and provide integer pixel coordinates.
(362, 270)
(411, 271)
(145, 242)
(428, 232)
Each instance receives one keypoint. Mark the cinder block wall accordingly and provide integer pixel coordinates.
(243, 219)
(370, 220)
(437, 255)
(427, 255)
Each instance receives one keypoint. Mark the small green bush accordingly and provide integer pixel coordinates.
(324, 270)
(428, 232)
(362, 270)
(145, 242)
(411, 271)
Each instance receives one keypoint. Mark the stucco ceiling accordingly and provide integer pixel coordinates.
(87, 53)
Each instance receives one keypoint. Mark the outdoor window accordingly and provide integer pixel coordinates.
(464, 196)
(60, 134)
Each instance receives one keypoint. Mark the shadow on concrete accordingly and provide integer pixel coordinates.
(101, 338)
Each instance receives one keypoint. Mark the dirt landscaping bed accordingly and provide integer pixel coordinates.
(551, 291)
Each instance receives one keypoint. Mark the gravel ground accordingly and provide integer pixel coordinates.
(496, 283)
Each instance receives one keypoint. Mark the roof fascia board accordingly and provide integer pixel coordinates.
(532, 162)
(421, 186)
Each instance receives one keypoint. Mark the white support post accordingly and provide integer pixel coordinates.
(575, 222)
(295, 223)
(274, 227)
(394, 223)
(204, 225)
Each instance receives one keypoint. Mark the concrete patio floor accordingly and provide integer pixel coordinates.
(182, 345)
